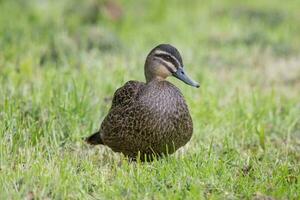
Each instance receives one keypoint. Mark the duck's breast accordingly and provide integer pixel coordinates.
(168, 116)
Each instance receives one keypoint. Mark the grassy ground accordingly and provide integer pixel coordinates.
(60, 62)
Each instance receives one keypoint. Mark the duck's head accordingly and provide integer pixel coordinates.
(163, 61)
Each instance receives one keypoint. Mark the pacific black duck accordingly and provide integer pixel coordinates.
(149, 119)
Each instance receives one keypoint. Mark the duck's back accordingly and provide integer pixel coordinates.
(147, 118)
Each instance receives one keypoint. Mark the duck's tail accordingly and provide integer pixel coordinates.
(94, 139)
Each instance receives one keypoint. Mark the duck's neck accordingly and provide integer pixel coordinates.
(155, 78)
(155, 72)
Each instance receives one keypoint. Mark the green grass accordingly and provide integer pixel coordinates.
(61, 61)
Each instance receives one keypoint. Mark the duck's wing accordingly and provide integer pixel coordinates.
(123, 96)
(126, 93)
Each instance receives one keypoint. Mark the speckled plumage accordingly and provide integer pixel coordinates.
(146, 119)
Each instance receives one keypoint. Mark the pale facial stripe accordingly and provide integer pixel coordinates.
(168, 54)
(170, 66)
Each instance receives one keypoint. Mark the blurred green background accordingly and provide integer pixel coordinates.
(61, 61)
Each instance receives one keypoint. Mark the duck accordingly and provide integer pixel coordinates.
(149, 119)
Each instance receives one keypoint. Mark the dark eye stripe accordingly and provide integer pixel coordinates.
(169, 68)
(166, 65)
(167, 58)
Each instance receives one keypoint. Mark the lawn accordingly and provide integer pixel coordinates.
(61, 61)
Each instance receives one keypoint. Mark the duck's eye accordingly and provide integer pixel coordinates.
(169, 57)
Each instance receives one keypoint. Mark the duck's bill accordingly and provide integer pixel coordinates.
(180, 74)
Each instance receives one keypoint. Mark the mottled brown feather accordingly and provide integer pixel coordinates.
(150, 118)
